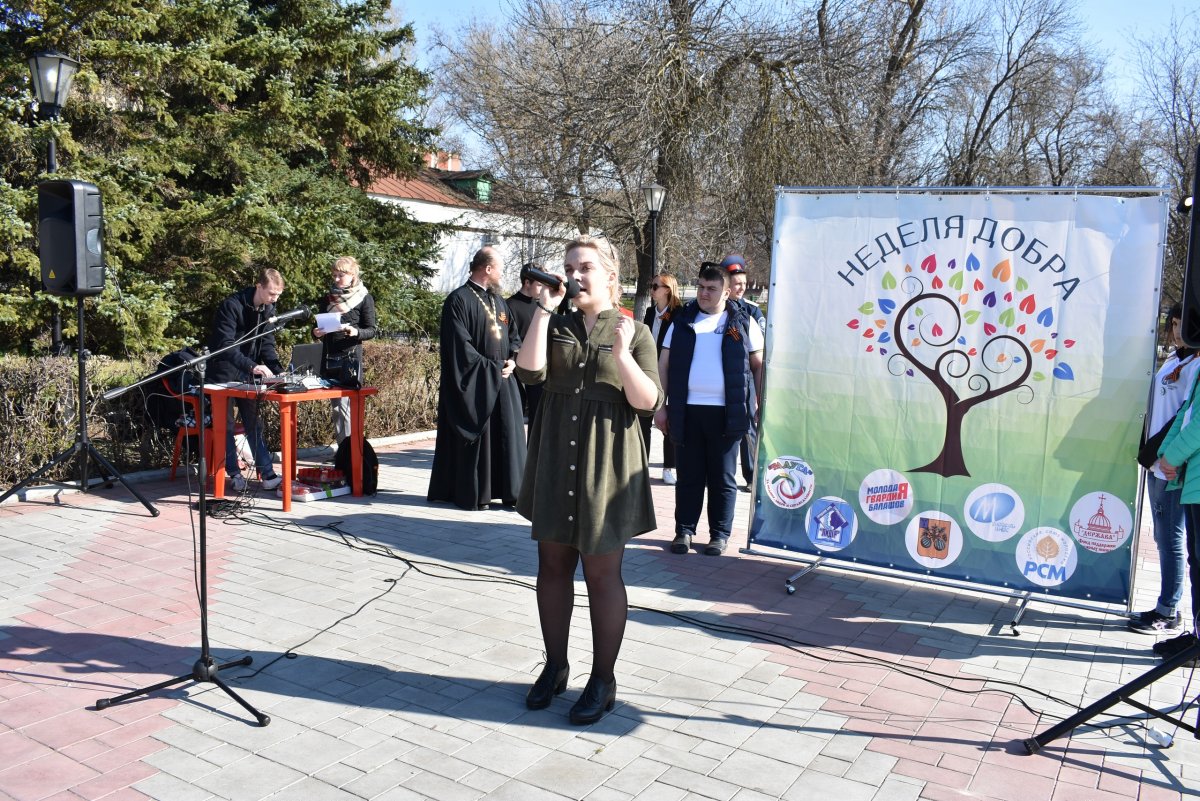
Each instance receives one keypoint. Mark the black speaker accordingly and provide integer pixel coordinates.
(71, 237)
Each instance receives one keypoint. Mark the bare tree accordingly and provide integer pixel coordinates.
(580, 102)
(858, 107)
(988, 135)
(1170, 68)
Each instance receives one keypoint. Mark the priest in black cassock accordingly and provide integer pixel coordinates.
(480, 451)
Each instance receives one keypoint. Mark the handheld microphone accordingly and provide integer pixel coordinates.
(300, 313)
(552, 281)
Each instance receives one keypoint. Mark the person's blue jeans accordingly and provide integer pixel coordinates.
(1170, 535)
(247, 410)
(707, 459)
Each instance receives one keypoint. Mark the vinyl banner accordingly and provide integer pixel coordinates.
(956, 384)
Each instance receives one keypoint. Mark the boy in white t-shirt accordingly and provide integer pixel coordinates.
(711, 364)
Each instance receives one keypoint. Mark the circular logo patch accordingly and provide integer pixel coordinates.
(885, 496)
(831, 524)
(789, 482)
(1046, 556)
(933, 539)
(994, 512)
(1100, 522)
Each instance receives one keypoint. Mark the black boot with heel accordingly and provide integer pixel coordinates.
(552, 682)
(598, 697)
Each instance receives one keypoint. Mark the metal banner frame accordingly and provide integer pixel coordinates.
(856, 262)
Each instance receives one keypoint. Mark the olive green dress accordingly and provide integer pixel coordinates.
(586, 484)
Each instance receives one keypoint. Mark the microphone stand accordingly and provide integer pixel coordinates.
(205, 668)
(1182, 659)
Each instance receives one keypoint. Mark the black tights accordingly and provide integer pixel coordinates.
(607, 602)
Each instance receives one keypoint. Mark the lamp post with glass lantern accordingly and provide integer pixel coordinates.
(51, 73)
(655, 195)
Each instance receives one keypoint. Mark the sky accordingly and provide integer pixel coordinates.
(1111, 22)
(1112, 25)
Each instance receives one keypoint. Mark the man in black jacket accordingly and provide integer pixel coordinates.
(522, 304)
(735, 266)
(242, 313)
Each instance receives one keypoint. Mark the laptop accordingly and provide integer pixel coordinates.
(306, 359)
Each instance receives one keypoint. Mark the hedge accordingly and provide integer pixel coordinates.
(39, 408)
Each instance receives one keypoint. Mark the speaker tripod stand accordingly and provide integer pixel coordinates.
(82, 449)
(1124, 693)
(205, 668)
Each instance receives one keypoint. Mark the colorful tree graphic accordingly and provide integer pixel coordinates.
(973, 340)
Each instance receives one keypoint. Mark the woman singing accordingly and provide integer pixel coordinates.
(586, 487)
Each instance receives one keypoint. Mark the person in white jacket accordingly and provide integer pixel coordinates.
(1172, 383)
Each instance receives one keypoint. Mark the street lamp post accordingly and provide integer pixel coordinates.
(655, 195)
(51, 73)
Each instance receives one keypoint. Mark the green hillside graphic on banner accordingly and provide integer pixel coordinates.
(956, 383)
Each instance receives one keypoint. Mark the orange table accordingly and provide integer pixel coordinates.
(287, 428)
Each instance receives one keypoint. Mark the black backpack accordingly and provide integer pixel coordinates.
(370, 465)
(163, 406)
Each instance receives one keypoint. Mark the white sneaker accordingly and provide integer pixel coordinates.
(669, 475)
(239, 483)
(272, 482)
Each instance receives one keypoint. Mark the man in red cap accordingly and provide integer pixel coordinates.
(735, 266)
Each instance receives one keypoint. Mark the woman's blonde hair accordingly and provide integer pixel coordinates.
(346, 264)
(673, 299)
(606, 254)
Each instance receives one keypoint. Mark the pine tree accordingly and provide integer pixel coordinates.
(224, 135)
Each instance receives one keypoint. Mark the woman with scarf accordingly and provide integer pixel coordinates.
(350, 299)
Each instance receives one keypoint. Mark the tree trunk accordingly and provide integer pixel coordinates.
(950, 461)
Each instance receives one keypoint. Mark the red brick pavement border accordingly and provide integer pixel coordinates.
(133, 582)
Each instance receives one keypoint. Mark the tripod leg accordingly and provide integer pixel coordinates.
(205, 670)
(1035, 743)
(41, 471)
(107, 466)
(105, 703)
(262, 718)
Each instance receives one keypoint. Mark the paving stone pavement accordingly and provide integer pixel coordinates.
(393, 641)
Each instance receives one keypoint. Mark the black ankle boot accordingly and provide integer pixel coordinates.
(552, 682)
(597, 698)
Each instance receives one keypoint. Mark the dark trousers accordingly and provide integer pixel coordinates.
(707, 459)
(668, 447)
(748, 446)
(1192, 512)
(247, 410)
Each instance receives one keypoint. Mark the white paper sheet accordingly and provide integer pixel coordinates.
(330, 321)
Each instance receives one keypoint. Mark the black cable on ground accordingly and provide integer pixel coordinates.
(291, 652)
(454, 573)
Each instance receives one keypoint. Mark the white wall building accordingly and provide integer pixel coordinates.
(443, 193)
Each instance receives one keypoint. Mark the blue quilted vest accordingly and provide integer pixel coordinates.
(735, 362)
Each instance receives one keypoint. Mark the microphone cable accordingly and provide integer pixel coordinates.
(443, 570)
